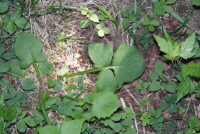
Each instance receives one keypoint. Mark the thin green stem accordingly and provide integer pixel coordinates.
(75, 99)
(81, 73)
(40, 90)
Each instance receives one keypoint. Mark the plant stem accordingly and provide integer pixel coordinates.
(81, 73)
(40, 90)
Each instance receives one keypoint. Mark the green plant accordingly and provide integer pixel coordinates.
(170, 104)
(162, 6)
(145, 118)
(157, 120)
(196, 2)
(104, 14)
(142, 102)
(150, 23)
(142, 86)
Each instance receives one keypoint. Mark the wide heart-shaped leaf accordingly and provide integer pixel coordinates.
(28, 48)
(100, 54)
(104, 104)
(128, 64)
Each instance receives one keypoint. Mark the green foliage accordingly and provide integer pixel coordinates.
(145, 118)
(175, 50)
(10, 22)
(150, 23)
(162, 6)
(196, 2)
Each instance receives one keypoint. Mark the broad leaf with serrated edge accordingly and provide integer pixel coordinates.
(128, 64)
(159, 67)
(72, 127)
(162, 44)
(104, 104)
(106, 81)
(10, 113)
(192, 69)
(28, 48)
(187, 47)
(100, 54)
(184, 88)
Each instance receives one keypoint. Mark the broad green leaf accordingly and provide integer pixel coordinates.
(155, 86)
(29, 121)
(154, 23)
(151, 28)
(84, 10)
(2, 50)
(101, 33)
(146, 21)
(100, 54)
(10, 113)
(94, 17)
(187, 47)
(21, 126)
(196, 2)
(159, 68)
(58, 86)
(1, 126)
(50, 102)
(5, 84)
(125, 24)
(15, 15)
(9, 55)
(49, 130)
(106, 82)
(4, 67)
(170, 87)
(9, 26)
(3, 7)
(127, 122)
(164, 106)
(184, 88)
(45, 66)
(62, 71)
(124, 14)
(192, 69)
(28, 48)
(128, 64)
(84, 24)
(72, 127)
(15, 68)
(154, 76)
(162, 44)
(104, 104)
(50, 82)
(28, 84)
(22, 23)
(168, 9)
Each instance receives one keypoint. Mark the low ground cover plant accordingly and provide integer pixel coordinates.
(100, 111)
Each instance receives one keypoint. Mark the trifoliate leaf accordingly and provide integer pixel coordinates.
(104, 104)
(187, 47)
(28, 84)
(192, 69)
(184, 88)
(100, 54)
